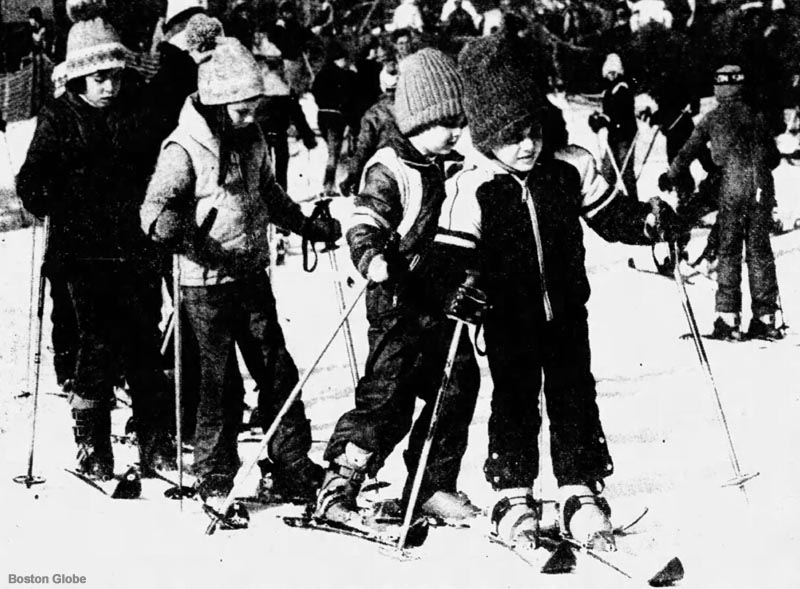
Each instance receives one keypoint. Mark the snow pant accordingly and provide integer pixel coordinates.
(331, 126)
(517, 358)
(620, 150)
(406, 360)
(243, 313)
(65, 327)
(743, 222)
(118, 306)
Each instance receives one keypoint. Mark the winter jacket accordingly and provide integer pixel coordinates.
(402, 192)
(741, 146)
(234, 216)
(87, 169)
(279, 108)
(524, 236)
(618, 107)
(334, 89)
(378, 128)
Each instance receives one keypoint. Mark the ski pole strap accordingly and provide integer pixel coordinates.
(321, 211)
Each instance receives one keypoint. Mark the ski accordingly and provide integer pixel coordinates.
(382, 537)
(687, 278)
(125, 486)
(626, 565)
(547, 551)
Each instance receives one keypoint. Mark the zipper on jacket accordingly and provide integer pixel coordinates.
(537, 236)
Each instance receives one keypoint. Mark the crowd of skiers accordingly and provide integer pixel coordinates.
(192, 163)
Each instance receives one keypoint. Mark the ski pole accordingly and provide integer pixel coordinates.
(177, 348)
(620, 185)
(426, 447)
(247, 468)
(29, 479)
(629, 153)
(647, 153)
(739, 479)
(348, 334)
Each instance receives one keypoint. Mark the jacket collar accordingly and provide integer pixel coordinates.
(409, 154)
(197, 127)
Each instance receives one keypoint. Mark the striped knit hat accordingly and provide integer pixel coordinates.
(92, 44)
(428, 92)
(226, 72)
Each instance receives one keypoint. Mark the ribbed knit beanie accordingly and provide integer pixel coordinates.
(429, 91)
(92, 43)
(500, 89)
(227, 72)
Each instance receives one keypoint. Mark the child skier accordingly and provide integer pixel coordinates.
(745, 151)
(85, 169)
(212, 196)
(512, 215)
(402, 192)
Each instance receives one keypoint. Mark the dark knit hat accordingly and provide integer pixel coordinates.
(500, 89)
(429, 91)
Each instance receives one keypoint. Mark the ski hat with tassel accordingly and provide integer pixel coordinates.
(226, 72)
(92, 43)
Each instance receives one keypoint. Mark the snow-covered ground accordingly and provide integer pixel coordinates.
(659, 415)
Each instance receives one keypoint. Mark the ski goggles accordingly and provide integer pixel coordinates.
(724, 78)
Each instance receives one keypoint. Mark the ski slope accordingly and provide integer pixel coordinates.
(659, 416)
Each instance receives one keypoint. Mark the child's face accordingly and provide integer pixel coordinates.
(438, 140)
(521, 155)
(243, 113)
(102, 87)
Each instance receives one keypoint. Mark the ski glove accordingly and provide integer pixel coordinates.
(665, 183)
(597, 121)
(468, 303)
(322, 228)
(662, 223)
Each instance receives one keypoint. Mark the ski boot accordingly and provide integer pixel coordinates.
(453, 509)
(157, 451)
(92, 431)
(516, 516)
(336, 501)
(764, 328)
(727, 330)
(213, 490)
(584, 516)
(298, 483)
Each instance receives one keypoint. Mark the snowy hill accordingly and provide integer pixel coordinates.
(668, 446)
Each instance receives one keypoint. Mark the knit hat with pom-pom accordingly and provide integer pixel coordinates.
(227, 72)
(92, 43)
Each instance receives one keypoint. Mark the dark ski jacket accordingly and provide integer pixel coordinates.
(402, 193)
(87, 168)
(741, 146)
(523, 235)
(619, 108)
(378, 128)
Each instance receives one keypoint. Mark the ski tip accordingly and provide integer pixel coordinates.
(129, 486)
(562, 560)
(671, 573)
(631, 263)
